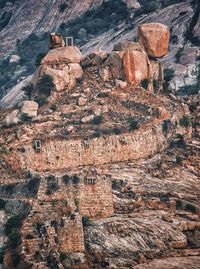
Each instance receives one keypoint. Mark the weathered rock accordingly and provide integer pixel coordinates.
(128, 45)
(121, 84)
(14, 59)
(63, 66)
(136, 66)
(104, 73)
(114, 62)
(75, 71)
(155, 38)
(12, 118)
(94, 59)
(87, 119)
(56, 41)
(156, 70)
(82, 101)
(66, 55)
(30, 108)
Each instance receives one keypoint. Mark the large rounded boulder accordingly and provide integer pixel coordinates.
(154, 37)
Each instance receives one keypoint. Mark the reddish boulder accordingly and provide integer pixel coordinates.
(155, 38)
(136, 66)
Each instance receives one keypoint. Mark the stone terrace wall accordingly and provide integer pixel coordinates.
(93, 195)
(61, 155)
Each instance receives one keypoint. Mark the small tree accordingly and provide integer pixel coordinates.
(14, 239)
(2, 204)
(13, 223)
(39, 58)
(185, 121)
(45, 85)
(133, 124)
(86, 221)
(145, 83)
(97, 120)
(28, 89)
(24, 117)
(62, 7)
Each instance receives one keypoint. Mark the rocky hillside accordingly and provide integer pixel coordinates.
(99, 163)
(95, 25)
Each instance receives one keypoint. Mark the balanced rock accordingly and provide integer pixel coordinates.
(128, 62)
(29, 108)
(155, 38)
(56, 41)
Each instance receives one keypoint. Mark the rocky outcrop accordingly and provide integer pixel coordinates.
(155, 38)
(62, 64)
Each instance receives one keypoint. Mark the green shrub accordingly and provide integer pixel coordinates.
(178, 54)
(2, 204)
(29, 236)
(14, 238)
(45, 85)
(179, 204)
(63, 256)
(16, 257)
(5, 19)
(86, 221)
(66, 179)
(97, 120)
(145, 83)
(96, 134)
(39, 58)
(75, 179)
(2, 253)
(62, 26)
(24, 117)
(51, 188)
(185, 121)
(178, 159)
(115, 184)
(190, 207)
(133, 124)
(76, 201)
(168, 74)
(62, 7)
(192, 108)
(28, 89)
(41, 100)
(188, 90)
(116, 131)
(13, 223)
(3, 3)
